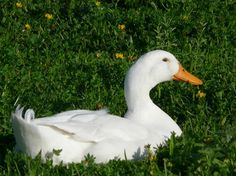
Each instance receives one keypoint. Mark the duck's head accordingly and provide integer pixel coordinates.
(170, 68)
(158, 66)
(152, 68)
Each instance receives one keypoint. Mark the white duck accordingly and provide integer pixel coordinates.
(80, 132)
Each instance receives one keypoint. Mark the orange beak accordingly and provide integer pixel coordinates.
(183, 75)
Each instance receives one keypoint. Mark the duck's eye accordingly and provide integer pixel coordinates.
(165, 60)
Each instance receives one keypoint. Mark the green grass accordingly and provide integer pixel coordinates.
(69, 62)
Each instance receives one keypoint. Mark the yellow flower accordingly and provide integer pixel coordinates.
(98, 3)
(121, 27)
(185, 18)
(200, 94)
(151, 155)
(19, 5)
(98, 54)
(48, 16)
(119, 55)
(27, 26)
(226, 160)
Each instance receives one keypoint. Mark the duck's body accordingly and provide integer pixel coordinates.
(80, 132)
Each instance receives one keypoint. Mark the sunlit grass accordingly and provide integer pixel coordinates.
(68, 55)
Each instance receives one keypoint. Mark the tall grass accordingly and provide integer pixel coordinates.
(61, 55)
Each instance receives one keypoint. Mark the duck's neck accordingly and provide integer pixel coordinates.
(142, 110)
(140, 106)
(137, 87)
(137, 99)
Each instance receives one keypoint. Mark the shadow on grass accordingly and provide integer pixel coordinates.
(6, 143)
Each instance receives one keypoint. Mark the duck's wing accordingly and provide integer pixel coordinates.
(95, 126)
(86, 126)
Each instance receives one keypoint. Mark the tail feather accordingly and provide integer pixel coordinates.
(18, 112)
(23, 129)
(27, 116)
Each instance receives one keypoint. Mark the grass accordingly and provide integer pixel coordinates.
(69, 62)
